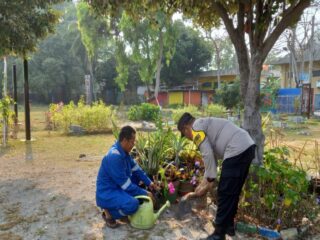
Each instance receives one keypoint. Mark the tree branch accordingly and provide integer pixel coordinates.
(240, 27)
(251, 32)
(289, 15)
(259, 23)
(227, 21)
(267, 18)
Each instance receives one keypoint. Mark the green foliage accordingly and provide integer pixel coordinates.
(122, 67)
(145, 111)
(5, 111)
(145, 37)
(215, 110)
(92, 29)
(95, 118)
(23, 23)
(177, 113)
(191, 54)
(152, 150)
(269, 93)
(229, 95)
(277, 190)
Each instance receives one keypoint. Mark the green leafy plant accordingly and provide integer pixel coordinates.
(177, 113)
(277, 190)
(145, 111)
(95, 118)
(229, 95)
(152, 150)
(6, 113)
(215, 110)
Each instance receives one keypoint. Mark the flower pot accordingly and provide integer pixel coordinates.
(185, 187)
(171, 197)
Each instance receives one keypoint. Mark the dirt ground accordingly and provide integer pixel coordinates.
(47, 193)
(50, 194)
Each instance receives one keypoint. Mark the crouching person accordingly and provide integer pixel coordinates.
(118, 179)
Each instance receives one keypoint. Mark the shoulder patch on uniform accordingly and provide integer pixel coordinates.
(198, 137)
(115, 151)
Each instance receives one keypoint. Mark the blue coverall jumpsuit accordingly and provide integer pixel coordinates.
(117, 183)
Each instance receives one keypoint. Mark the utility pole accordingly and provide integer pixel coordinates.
(15, 94)
(26, 100)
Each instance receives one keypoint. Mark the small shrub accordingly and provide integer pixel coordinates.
(145, 111)
(177, 113)
(277, 192)
(6, 114)
(95, 118)
(229, 95)
(215, 110)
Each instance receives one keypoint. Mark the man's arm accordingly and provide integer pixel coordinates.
(137, 171)
(116, 170)
(210, 163)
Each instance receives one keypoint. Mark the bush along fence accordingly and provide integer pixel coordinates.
(276, 199)
(79, 118)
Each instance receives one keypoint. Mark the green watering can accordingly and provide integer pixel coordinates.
(145, 218)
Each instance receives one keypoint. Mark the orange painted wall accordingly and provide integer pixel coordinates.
(195, 98)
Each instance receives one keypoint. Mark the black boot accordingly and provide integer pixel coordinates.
(217, 236)
(230, 230)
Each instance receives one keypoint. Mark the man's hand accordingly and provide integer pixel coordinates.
(203, 187)
(153, 187)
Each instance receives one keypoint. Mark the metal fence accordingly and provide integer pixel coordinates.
(288, 104)
(317, 102)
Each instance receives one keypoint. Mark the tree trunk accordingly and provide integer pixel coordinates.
(218, 61)
(291, 46)
(252, 117)
(92, 92)
(159, 65)
(5, 119)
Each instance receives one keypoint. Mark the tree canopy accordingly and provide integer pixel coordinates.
(191, 54)
(24, 23)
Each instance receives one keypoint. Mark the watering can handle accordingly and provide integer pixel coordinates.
(143, 197)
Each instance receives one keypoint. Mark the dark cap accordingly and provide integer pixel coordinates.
(185, 119)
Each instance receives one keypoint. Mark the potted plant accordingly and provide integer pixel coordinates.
(190, 176)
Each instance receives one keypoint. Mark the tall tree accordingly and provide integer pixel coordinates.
(152, 41)
(93, 31)
(149, 34)
(57, 68)
(192, 53)
(262, 21)
(22, 25)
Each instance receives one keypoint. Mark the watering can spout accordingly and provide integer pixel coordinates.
(166, 205)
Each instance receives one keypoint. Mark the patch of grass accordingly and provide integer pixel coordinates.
(40, 232)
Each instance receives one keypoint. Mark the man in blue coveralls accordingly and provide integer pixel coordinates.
(118, 179)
